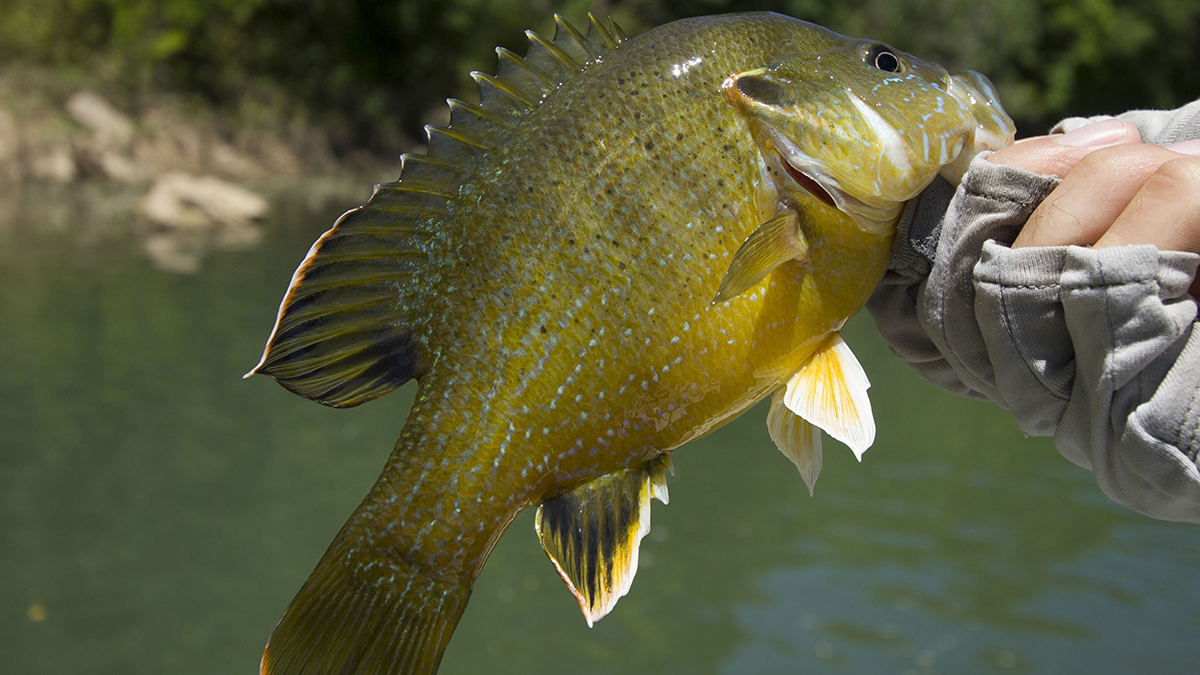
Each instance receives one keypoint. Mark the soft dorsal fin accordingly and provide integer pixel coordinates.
(796, 438)
(347, 330)
(592, 533)
(773, 243)
(830, 391)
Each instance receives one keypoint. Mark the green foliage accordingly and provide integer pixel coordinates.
(372, 70)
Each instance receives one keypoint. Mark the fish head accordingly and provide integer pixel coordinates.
(863, 127)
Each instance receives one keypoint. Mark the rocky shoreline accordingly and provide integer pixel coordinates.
(188, 183)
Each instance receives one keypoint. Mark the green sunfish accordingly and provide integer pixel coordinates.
(625, 245)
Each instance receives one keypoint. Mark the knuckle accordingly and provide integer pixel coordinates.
(1177, 180)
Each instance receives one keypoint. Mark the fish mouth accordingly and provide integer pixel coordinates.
(808, 173)
(814, 188)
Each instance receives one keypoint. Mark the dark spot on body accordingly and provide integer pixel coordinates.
(679, 137)
(543, 330)
(620, 80)
(608, 191)
(721, 182)
(621, 266)
(649, 145)
(570, 242)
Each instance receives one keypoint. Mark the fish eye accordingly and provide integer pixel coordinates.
(885, 59)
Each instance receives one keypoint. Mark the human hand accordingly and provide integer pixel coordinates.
(1115, 189)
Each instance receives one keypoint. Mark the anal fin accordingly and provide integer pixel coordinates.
(774, 242)
(593, 532)
(830, 391)
(796, 438)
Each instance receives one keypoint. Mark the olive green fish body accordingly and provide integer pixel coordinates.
(548, 273)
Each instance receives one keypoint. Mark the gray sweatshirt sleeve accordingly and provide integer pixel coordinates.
(1094, 347)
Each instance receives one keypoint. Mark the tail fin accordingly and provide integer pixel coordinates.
(366, 617)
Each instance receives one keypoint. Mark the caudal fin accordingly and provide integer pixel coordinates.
(366, 617)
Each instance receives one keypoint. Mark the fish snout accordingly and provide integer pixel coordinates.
(993, 130)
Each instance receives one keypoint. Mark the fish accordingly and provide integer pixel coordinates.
(624, 245)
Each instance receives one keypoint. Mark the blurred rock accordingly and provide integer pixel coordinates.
(54, 163)
(121, 168)
(234, 163)
(111, 127)
(281, 159)
(179, 200)
(95, 159)
(176, 252)
(10, 149)
(194, 213)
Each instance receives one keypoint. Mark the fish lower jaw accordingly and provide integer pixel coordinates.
(803, 171)
(868, 218)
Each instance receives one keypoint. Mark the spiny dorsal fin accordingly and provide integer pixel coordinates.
(345, 332)
(798, 440)
(830, 391)
(773, 243)
(592, 533)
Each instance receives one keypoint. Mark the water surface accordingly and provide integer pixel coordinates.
(157, 512)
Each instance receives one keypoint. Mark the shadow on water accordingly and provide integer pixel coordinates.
(159, 512)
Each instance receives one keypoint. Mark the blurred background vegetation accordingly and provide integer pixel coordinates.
(371, 72)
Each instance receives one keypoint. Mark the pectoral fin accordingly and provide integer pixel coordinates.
(592, 533)
(798, 440)
(830, 391)
(774, 242)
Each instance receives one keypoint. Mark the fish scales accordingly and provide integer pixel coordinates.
(556, 303)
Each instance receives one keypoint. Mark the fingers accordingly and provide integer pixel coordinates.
(1165, 212)
(1093, 195)
(1115, 190)
(1057, 154)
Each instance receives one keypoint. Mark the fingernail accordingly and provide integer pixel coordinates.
(1185, 147)
(1107, 132)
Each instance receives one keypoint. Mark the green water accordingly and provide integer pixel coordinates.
(157, 512)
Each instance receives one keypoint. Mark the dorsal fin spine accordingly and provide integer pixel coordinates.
(395, 198)
(429, 188)
(595, 28)
(509, 60)
(554, 50)
(425, 174)
(478, 113)
(438, 135)
(568, 38)
(616, 30)
(485, 80)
